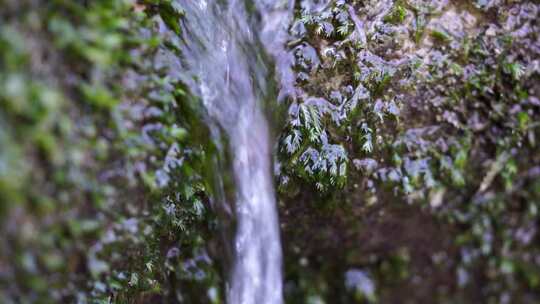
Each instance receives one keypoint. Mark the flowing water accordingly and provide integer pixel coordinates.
(222, 61)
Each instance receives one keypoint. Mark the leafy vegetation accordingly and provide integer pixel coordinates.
(101, 190)
(433, 106)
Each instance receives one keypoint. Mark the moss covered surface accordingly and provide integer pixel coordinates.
(431, 191)
(102, 193)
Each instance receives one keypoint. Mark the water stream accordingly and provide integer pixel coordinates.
(223, 63)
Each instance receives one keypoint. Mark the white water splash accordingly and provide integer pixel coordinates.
(221, 63)
(256, 276)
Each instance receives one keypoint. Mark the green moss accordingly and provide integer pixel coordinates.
(99, 201)
(440, 36)
(397, 15)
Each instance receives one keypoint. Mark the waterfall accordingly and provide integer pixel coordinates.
(222, 61)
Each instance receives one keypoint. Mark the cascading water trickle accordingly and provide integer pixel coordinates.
(221, 61)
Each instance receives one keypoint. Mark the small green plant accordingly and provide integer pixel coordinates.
(396, 15)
